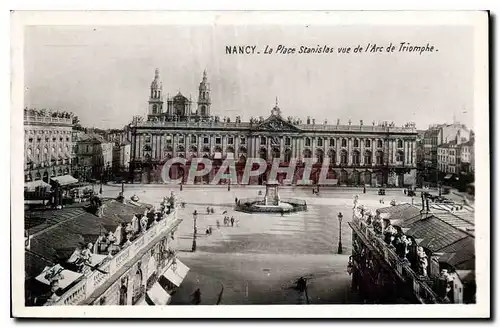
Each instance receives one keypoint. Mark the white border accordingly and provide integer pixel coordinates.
(478, 20)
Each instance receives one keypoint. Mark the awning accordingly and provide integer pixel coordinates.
(176, 273)
(157, 295)
(64, 180)
(217, 155)
(229, 156)
(448, 176)
(33, 185)
(67, 277)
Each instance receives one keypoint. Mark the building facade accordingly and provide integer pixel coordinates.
(93, 156)
(119, 255)
(121, 159)
(48, 144)
(362, 154)
(449, 158)
(467, 156)
(400, 256)
(438, 135)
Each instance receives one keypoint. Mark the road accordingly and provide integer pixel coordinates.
(258, 260)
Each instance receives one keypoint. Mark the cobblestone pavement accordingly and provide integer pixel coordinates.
(257, 260)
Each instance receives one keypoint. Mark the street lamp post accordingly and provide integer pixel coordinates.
(340, 216)
(100, 187)
(195, 216)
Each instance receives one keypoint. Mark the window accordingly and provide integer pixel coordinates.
(193, 139)
(379, 143)
(400, 143)
(308, 142)
(355, 157)
(356, 143)
(263, 140)
(400, 156)
(287, 142)
(67, 138)
(243, 140)
(148, 138)
(47, 139)
(54, 139)
(39, 139)
(60, 139)
(379, 158)
(155, 108)
(332, 142)
(343, 157)
(320, 142)
(218, 140)
(168, 139)
(205, 140)
(344, 143)
(181, 139)
(230, 140)
(30, 139)
(367, 143)
(368, 157)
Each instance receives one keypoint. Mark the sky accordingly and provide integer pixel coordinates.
(103, 73)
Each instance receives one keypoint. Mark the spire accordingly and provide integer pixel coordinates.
(205, 75)
(157, 73)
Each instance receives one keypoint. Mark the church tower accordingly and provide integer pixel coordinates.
(204, 96)
(156, 96)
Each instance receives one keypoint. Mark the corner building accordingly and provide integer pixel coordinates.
(373, 154)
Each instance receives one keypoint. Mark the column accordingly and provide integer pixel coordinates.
(236, 144)
(374, 151)
(349, 151)
(224, 145)
(394, 150)
(362, 151)
(407, 151)
(282, 147)
(338, 142)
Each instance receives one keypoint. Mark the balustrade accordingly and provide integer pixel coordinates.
(88, 285)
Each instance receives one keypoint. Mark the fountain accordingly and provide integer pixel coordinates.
(271, 202)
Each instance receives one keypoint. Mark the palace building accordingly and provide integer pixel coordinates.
(375, 154)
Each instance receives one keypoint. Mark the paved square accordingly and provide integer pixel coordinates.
(258, 260)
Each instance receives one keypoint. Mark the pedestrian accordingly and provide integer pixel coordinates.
(212, 210)
(236, 200)
(208, 210)
(364, 189)
(210, 230)
(196, 297)
(232, 221)
(282, 212)
(218, 224)
(404, 191)
(207, 231)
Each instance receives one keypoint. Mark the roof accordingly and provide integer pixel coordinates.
(450, 144)
(92, 137)
(444, 230)
(55, 234)
(435, 234)
(469, 143)
(466, 275)
(64, 180)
